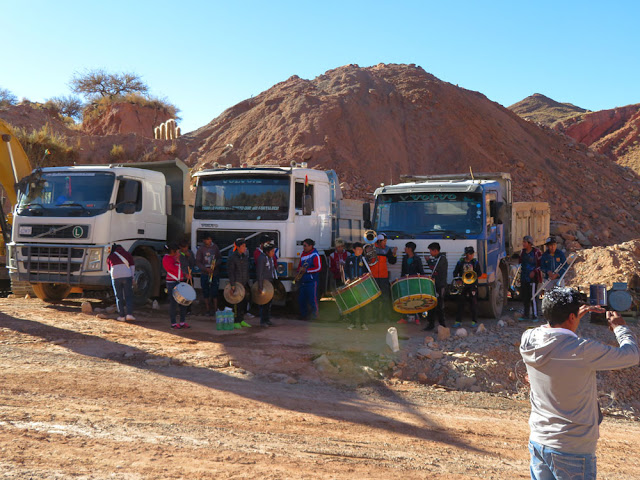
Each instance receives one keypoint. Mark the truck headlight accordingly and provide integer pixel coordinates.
(94, 259)
(281, 269)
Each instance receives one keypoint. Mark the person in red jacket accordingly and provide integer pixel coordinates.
(337, 261)
(122, 270)
(175, 274)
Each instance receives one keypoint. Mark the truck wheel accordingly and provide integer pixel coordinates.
(51, 292)
(493, 307)
(143, 281)
(21, 289)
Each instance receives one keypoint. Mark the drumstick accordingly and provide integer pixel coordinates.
(342, 273)
(190, 282)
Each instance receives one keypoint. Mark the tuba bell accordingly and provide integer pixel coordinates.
(370, 236)
(469, 277)
(370, 254)
(456, 286)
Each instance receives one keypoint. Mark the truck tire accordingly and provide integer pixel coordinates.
(492, 308)
(21, 289)
(51, 292)
(144, 281)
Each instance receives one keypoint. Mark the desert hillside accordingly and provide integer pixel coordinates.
(541, 109)
(372, 125)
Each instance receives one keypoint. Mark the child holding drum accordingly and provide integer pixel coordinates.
(411, 265)
(356, 267)
(175, 274)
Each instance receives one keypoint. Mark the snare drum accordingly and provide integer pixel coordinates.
(356, 294)
(184, 294)
(413, 294)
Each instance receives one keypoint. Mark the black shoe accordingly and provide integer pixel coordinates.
(266, 324)
(428, 328)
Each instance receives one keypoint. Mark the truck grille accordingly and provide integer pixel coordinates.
(50, 263)
(55, 231)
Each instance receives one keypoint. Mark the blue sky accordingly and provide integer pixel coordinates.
(207, 56)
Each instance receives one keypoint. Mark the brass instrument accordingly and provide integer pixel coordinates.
(370, 254)
(470, 277)
(456, 286)
(550, 283)
(302, 269)
(370, 236)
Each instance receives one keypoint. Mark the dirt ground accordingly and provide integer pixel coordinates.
(90, 398)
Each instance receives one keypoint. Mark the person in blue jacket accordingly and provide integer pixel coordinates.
(551, 260)
(310, 267)
(355, 267)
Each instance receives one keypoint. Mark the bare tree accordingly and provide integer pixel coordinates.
(100, 83)
(7, 98)
(67, 106)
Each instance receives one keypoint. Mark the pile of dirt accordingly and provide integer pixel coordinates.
(374, 124)
(606, 265)
(539, 108)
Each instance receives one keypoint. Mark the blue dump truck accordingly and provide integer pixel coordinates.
(457, 211)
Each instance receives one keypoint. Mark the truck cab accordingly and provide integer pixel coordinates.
(289, 204)
(456, 211)
(68, 218)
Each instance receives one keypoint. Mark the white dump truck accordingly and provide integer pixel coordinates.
(67, 219)
(457, 211)
(289, 204)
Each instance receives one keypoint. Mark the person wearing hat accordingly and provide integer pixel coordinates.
(530, 276)
(209, 256)
(264, 239)
(266, 272)
(355, 268)
(238, 271)
(411, 265)
(380, 272)
(551, 259)
(470, 291)
(337, 261)
(439, 266)
(310, 267)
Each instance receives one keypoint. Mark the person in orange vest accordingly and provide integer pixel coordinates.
(380, 271)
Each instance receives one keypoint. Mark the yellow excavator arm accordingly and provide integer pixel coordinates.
(14, 164)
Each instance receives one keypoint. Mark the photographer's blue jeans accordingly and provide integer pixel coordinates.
(123, 288)
(549, 464)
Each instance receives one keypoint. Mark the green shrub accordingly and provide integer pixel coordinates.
(117, 152)
(45, 148)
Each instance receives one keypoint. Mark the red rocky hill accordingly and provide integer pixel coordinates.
(374, 124)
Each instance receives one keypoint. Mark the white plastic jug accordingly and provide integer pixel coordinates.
(392, 339)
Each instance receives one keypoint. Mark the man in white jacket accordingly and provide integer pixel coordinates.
(565, 415)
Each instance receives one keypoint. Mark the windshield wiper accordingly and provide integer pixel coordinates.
(72, 204)
(34, 204)
(444, 231)
(398, 234)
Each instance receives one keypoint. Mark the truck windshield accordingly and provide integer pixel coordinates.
(429, 213)
(67, 194)
(243, 197)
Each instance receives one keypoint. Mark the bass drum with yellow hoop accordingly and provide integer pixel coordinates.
(413, 294)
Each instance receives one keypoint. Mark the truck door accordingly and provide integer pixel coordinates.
(306, 226)
(494, 234)
(128, 222)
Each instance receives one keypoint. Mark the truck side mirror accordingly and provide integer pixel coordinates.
(500, 212)
(307, 205)
(366, 215)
